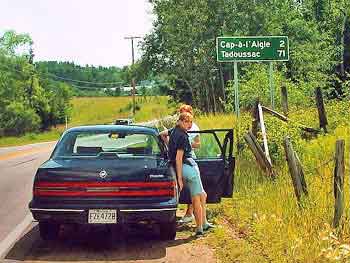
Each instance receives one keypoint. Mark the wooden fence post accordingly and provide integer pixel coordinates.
(284, 99)
(259, 154)
(293, 169)
(321, 109)
(301, 174)
(339, 182)
(285, 119)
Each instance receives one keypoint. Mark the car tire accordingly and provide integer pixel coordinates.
(168, 230)
(48, 230)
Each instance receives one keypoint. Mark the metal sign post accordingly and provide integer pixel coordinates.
(235, 74)
(272, 88)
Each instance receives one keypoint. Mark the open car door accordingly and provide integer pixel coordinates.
(216, 165)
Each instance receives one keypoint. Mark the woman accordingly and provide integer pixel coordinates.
(187, 170)
(195, 142)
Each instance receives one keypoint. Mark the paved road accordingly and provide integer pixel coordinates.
(17, 168)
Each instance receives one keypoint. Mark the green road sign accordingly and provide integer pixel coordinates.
(257, 48)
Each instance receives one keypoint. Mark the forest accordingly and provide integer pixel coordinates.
(182, 45)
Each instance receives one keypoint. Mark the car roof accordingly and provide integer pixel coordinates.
(125, 119)
(115, 128)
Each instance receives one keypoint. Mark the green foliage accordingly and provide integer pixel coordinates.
(17, 120)
(10, 42)
(254, 85)
(89, 77)
(91, 81)
(28, 100)
(182, 44)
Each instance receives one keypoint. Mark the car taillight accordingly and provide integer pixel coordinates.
(105, 189)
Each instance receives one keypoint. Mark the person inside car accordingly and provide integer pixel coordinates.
(187, 171)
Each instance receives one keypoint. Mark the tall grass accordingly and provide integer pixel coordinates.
(264, 213)
(154, 108)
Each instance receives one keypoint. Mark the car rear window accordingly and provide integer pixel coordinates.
(120, 144)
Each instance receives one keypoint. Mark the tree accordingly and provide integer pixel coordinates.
(29, 100)
(182, 42)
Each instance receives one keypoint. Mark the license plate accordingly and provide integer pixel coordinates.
(102, 216)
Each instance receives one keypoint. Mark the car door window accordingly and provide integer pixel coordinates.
(216, 164)
(209, 147)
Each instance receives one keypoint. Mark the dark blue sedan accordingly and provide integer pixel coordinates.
(115, 174)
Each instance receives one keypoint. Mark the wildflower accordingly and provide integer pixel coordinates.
(344, 249)
(324, 236)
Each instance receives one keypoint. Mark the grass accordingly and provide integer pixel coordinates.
(99, 110)
(153, 108)
(263, 220)
(106, 109)
(31, 138)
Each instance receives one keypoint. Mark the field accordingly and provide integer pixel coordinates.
(105, 110)
(99, 110)
(263, 223)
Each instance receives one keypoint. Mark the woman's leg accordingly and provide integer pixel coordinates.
(203, 198)
(206, 225)
(198, 212)
(192, 179)
(189, 211)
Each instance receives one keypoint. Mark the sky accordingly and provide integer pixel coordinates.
(80, 31)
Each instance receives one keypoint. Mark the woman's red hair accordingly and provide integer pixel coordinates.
(186, 108)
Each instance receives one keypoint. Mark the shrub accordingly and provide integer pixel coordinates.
(17, 120)
(255, 84)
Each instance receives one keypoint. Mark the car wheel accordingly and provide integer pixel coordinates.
(168, 231)
(49, 230)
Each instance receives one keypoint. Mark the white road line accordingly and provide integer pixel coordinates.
(11, 239)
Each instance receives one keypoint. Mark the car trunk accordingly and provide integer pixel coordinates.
(112, 179)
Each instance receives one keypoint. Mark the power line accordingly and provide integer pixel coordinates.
(85, 87)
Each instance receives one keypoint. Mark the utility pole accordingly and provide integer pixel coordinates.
(133, 79)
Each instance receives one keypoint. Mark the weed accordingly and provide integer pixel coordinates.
(268, 224)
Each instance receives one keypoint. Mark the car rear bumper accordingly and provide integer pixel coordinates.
(124, 216)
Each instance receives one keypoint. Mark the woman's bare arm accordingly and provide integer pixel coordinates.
(196, 143)
(165, 136)
(178, 159)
